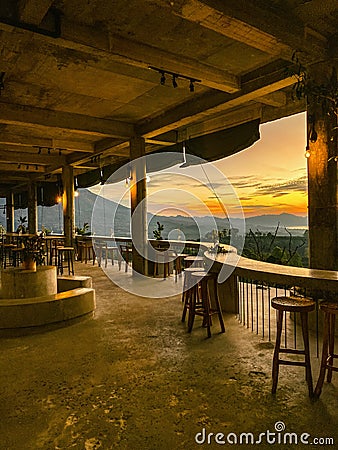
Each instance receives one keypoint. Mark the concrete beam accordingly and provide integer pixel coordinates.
(104, 48)
(277, 34)
(35, 168)
(31, 141)
(76, 123)
(214, 103)
(29, 158)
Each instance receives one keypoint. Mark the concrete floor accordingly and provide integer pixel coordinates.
(133, 378)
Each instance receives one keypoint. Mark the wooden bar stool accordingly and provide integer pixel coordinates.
(293, 305)
(330, 310)
(189, 286)
(65, 255)
(204, 306)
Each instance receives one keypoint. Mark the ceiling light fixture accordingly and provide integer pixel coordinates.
(175, 76)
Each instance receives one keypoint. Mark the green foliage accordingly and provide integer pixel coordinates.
(324, 94)
(84, 230)
(158, 232)
(22, 228)
(33, 248)
(269, 247)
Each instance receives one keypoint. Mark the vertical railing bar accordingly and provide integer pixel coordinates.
(247, 302)
(269, 311)
(240, 300)
(285, 324)
(257, 309)
(244, 302)
(263, 312)
(252, 314)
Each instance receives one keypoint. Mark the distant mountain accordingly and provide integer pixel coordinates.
(110, 218)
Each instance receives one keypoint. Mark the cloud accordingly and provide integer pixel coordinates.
(278, 189)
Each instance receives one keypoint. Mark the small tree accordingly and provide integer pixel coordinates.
(158, 232)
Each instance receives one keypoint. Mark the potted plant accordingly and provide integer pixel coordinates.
(84, 231)
(22, 228)
(33, 252)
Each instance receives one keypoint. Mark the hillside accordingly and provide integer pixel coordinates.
(111, 218)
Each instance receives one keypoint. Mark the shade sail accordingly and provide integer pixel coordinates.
(207, 148)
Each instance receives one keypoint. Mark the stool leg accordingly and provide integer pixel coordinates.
(72, 262)
(331, 347)
(326, 330)
(275, 363)
(305, 330)
(218, 306)
(192, 303)
(206, 307)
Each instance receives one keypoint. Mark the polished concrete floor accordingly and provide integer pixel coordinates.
(133, 378)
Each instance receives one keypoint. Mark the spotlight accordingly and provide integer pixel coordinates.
(49, 151)
(162, 80)
(39, 151)
(307, 154)
(59, 199)
(191, 86)
(76, 193)
(27, 167)
(174, 81)
(60, 152)
(19, 166)
(36, 168)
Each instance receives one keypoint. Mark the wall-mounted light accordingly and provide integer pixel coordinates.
(307, 154)
(59, 199)
(333, 158)
(76, 193)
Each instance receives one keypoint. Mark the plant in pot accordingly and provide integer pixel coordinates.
(22, 227)
(83, 231)
(33, 252)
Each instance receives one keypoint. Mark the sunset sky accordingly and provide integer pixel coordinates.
(267, 178)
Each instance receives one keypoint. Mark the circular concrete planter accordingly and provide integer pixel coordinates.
(20, 283)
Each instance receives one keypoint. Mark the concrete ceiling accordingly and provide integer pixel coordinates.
(77, 78)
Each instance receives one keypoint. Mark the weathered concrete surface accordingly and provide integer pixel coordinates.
(133, 378)
(19, 283)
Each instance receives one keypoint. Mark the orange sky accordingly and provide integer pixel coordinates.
(267, 178)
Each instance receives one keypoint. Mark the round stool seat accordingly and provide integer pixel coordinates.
(293, 304)
(194, 270)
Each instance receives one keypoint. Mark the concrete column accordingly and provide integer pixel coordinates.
(138, 196)
(10, 212)
(32, 209)
(68, 205)
(322, 180)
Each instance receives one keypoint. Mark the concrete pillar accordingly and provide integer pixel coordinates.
(32, 209)
(138, 196)
(322, 179)
(10, 212)
(68, 205)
